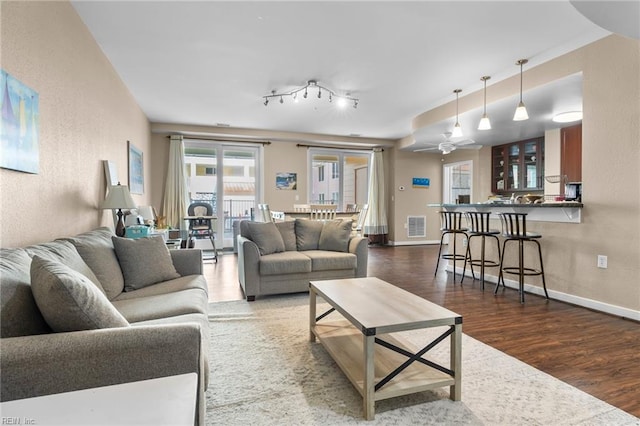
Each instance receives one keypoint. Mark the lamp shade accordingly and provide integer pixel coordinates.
(118, 198)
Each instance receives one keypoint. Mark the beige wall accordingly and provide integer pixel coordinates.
(86, 116)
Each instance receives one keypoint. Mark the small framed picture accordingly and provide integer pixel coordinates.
(287, 181)
(136, 170)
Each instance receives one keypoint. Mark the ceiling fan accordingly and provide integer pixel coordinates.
(448, 144)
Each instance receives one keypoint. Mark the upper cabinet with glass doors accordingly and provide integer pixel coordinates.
(518, 167)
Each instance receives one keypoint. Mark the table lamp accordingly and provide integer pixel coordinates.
(119, 198)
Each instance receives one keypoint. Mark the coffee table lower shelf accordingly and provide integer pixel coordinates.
(345, 344)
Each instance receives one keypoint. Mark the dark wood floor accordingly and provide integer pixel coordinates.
(595, 352)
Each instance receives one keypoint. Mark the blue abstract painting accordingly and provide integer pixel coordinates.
(19, 130)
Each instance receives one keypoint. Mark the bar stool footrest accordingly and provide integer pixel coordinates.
(516, 271)
(487, 263)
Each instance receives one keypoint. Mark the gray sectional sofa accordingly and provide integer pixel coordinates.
(282, 257)
(93, 310)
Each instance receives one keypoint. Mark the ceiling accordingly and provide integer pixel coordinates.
(209, 63)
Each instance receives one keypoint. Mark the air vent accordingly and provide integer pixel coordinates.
(416, 226)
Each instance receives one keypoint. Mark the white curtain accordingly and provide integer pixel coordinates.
(376, 221)
(176, 197)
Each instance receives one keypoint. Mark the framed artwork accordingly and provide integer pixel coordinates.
(110, 173)
(19, 128)
(420, 182)
(136, 170)
(287, 181)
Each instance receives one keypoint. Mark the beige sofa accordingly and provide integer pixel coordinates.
(282, 257)
(89, 311)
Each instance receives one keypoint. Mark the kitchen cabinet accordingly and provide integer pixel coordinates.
(518, 167)
(571, 153)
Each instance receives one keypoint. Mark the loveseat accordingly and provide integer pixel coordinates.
(282, 257)
(96, 310)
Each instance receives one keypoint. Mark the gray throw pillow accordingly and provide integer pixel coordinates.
(335, 235)
(144, 261)
(308, 234)
(96, 249)
(68, 300)
(288, 232)
(266, 236)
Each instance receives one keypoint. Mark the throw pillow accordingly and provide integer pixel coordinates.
(266, 236)
(68, 300)
(144, 261)
(308, 234)
(96, 249)
(335, 235)
(288, 232)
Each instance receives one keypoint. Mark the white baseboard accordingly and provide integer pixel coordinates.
(413, 243)
(618, 311)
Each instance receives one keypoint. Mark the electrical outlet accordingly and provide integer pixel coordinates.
(602, 261)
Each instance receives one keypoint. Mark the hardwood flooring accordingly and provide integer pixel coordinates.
(595, 352)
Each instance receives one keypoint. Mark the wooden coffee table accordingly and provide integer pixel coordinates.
(365, 339)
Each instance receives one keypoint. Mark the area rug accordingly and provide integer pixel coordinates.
(265, 371)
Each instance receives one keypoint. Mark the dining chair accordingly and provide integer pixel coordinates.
(323, 211)
(302, 208)
(265, 213)
(359, 223)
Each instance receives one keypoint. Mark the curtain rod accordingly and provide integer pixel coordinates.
(301, 145)
(201, 138)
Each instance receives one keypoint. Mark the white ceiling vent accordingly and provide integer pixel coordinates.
(416, 226)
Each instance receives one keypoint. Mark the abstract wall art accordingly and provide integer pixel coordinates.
(19, 130)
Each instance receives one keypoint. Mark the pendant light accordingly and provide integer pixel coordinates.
(485, 124)
(457, 129)
(521, 111)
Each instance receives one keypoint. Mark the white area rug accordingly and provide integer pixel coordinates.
(264, 371)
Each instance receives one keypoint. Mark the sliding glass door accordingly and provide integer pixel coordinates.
(223, 175)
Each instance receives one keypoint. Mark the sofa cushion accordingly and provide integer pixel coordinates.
(19, 314)
(308, 234)
(144, 261)
(171, 286)
(266, 236)
(288, 232)
(191, 301)
(322, 260)
(335, 235)
(68, 300)
(96, 249)
(288, 262)
(64, 252)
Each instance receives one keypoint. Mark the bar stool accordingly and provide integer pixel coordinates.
(451, 223)
(514, 228)
(479, 227)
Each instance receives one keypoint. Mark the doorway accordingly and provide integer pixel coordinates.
(458, 183)
(223, 175)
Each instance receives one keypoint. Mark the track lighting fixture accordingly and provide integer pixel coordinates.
(521, 110)
(485, 123)
(341, 99)
(457, 129)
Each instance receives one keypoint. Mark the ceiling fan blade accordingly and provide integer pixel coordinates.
(464, 142)
(433, 148)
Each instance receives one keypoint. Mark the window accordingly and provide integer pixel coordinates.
(348, 182)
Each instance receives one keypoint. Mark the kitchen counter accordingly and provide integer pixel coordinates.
(560, 211)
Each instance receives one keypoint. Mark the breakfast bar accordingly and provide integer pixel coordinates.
(562, 212)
